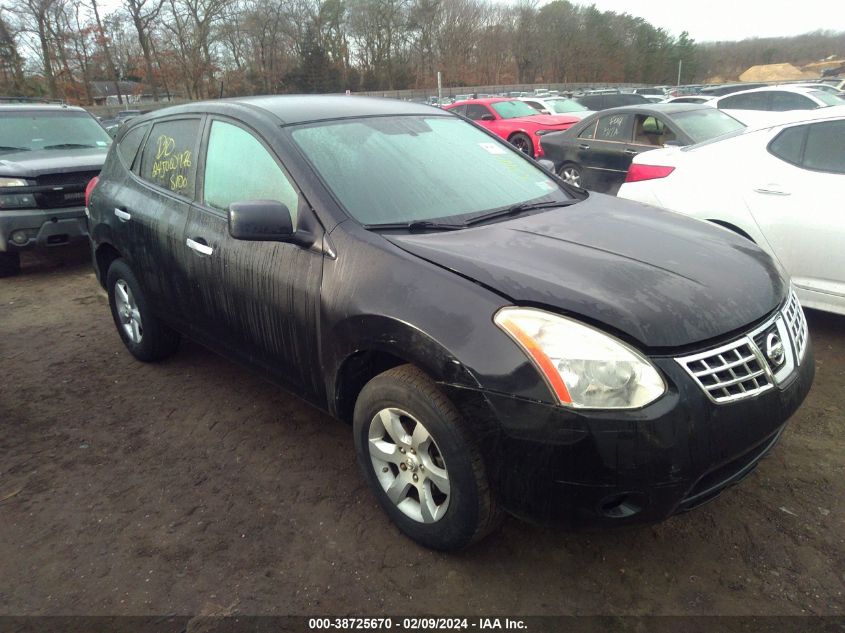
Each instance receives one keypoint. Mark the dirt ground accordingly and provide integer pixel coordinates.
(195, 487)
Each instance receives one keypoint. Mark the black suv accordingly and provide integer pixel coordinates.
(498, 338)
(48, 154)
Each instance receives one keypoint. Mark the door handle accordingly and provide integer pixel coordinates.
(122, 215)
(584, 146)
(199, 247)
(772, 190)
(631, 152)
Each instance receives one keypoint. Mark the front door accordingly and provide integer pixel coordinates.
(258, 300)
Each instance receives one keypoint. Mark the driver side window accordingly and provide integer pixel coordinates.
(239, 168)
(475, 111)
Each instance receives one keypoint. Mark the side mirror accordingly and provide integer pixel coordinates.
(260, 221)
(488, 117)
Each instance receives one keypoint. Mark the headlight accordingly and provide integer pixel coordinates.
(13, 182)
(585, 368)
(17, 201)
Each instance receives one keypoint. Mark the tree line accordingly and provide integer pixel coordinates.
(208, 48)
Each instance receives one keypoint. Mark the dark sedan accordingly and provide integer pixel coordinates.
(497, 338)
(606, 100)
(596, 153)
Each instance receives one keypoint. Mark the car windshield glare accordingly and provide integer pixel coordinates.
(513, 109)
(51, 130)
(827, 98)
(400, 169)
(562, 106)
(706, 123)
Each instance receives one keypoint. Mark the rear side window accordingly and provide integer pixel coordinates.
(788, 144)
(169, 157)
(615, 127)
(129, 144)
(751, 101)
(823, 151)
(239, 168)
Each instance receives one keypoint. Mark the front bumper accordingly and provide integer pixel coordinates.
(42, 227)
(591, 470)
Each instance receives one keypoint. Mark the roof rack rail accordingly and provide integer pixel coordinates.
(11, 99)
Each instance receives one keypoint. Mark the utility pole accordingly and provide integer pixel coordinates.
(439, 87)
(680, 64)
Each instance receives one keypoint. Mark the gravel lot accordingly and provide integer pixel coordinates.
(196, 487)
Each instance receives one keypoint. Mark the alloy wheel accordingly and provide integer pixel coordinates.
(127, 311)
(409, 465)
(571, 176)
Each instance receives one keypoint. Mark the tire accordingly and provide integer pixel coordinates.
(10, 264)
(572, 174)
(440, 513)
(146, 337)
(523, 143)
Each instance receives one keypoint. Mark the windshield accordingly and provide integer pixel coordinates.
(826, 98)
(401, 169)
(34, 130)
(702, 125)
(513, 109)
(562, 106)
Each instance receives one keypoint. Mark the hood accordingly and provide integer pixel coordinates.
(663, 279)
(37, 163)
(548, 120)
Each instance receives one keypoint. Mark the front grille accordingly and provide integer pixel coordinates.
(63, 190)
(755, 362)
(729, 372)
(797, 324)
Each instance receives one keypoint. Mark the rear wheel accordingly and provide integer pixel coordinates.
(421, 461)
(145, 335)
(523, 143)
(10, 264)
(571, 174)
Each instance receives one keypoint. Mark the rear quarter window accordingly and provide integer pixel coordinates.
(788, 144)
(127, 147)
(169, 157)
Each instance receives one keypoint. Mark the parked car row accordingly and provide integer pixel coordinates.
(498, 338)
(780, 186)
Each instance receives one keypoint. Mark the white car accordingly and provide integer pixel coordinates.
(780, 186)
(557, 105)
(745, 104)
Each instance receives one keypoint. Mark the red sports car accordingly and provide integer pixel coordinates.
(515, 121)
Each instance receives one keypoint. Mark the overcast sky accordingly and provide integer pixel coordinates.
(709, 20)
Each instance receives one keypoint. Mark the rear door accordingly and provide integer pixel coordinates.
(151, 209)
(605, 158)
(796, 200)
(257, 300)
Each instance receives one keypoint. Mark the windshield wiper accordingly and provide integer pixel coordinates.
(416, 225)
(9, 148)
(518, 208)
(67, 146)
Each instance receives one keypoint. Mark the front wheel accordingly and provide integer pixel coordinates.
(145, 335)
(523, 143)
(421, 462)
(571, 174)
